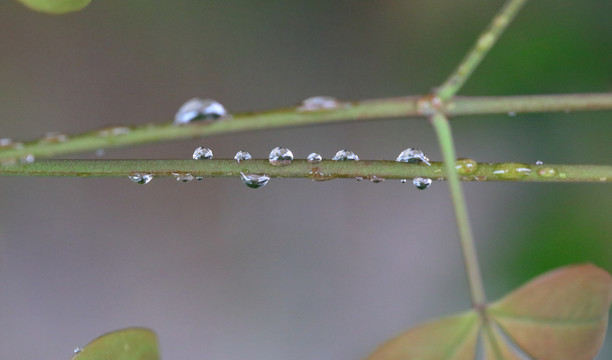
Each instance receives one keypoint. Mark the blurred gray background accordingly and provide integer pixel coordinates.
(297, 269)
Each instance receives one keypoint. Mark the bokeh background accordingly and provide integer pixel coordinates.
(297, 269)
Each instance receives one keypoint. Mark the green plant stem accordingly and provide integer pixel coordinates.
(484, 43)
(119, 136)
(325, 170)
(445, 138)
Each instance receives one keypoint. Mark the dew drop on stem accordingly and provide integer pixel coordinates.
(317, 103)
(280, 156)
(254, 181)
(200, 110)
(242, 156)
(202, 153)
(539, 162)
(141, 178)
(413, 156)
(314, 158)
(421, 183)
(345, 155)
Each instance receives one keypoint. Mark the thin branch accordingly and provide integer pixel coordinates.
(467, 169)
(484, 43)
(445, 139)
(409, 106)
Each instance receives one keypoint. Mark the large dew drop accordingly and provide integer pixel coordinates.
(345, 155)
(140, 178)
(317, 103)
(280, 156)
(202, 153)
(413, 156)
(199, 109)
(242, 155)
(421, 183)
(314, 158)
(254, 181)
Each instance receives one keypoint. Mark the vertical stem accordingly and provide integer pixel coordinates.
(445, 138)
(485, 42)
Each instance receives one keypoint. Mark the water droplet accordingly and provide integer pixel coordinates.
(547, 172)
(77, 350)
(511, 113)
(421, 183)
(345, 155)
(242, 155)
(316, 103)
(314, 158)
(403, 181)
(6, 142)
(140, 178)
(183, 177)
(280, 156)
(199, 178)
(466, 166)
(539, 162)
(100, 152)
(202, 153)
(375, 179)
(27, 159)
(511, 171)
(254, 181)
(359, 178)
(413, 156)
(199, 109)
(53, 137)
(480, 178)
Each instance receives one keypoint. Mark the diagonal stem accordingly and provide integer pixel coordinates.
(485, 42)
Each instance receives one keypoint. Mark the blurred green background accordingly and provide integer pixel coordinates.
(295, 270)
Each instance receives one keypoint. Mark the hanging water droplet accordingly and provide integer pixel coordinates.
(242, 155)
(280, 156)
(314, 158)
(183, 177)
(413, 156)
(141, 178)
(421, 183)
(539, 162)
(199, 178)
(376, 179)
(316, 103)
(254, 181)
(345, 155)
(403, 181)
(202, 153)
(199, 109)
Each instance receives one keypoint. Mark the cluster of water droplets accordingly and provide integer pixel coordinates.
(415, 156)
(200, 110)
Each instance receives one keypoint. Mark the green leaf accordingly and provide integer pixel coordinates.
(561, 315)
(55, 6)
(126, 344)
(450, 338)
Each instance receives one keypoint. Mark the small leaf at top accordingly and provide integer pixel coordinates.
(561, 315)
(449, 338)
(126, 344)
(55, 6)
